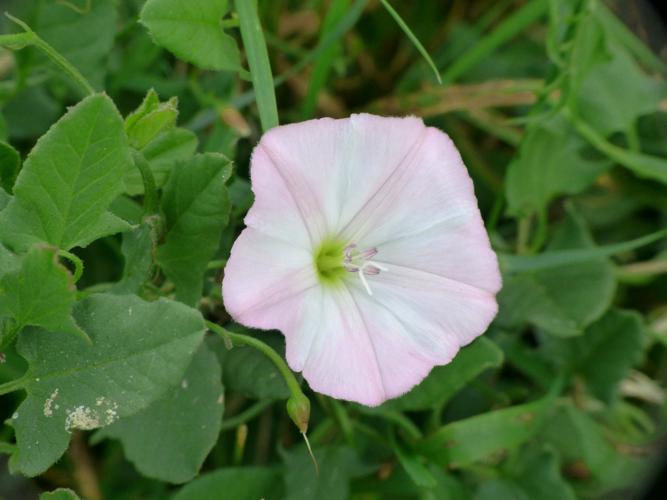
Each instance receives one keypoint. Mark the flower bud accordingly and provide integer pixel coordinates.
(298, 409)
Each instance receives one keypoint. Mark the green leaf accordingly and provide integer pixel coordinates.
(95, 29)
(417, 471)
(643, 165)
(170, 439)
(605, 354)
(10, 164)
(31, 112)
(500, 489)
(445, 381)
(69, 179)
(584, 446)
(150, 119)
(337, 466)
(162, 153)
(192, 31)
(249, 372)
(138, 249)
(139, 351)
(467, 441)
(537, 473)
(239, 483)
(196, 210)
(611, 108)
(40, 293)
(59, 494)
(549, 164)
(563, 299)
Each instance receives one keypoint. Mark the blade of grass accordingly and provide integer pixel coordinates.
(258, 60)
(342, 27)
(511, 27)
(323, 65)
(415, 41)
(524, 263)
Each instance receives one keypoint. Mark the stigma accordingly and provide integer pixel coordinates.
(359, 261)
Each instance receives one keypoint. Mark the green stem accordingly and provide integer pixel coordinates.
(404, 423)
(642, 164)
(238, 338)
(150, 191)
(324, 63)
(337, 32)
(343, 419)
(523, 235)
(323, 429)
(246, 415)
(55, 56)
(16, 40)
(13, 385)
(78, 263)
(541, 232)
(632, 137)
(396, 417)
(258, 60)
(217, 264)
(556, 258)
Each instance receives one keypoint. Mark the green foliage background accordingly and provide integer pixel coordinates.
(125, 133)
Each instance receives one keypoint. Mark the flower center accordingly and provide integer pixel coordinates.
(334, 259)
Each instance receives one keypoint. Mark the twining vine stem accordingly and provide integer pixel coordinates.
(32, 38)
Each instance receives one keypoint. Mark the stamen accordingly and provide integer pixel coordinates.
(359, 261)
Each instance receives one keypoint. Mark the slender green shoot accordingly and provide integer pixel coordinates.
(336, 33)
(246, 415)
(150, 189)
(278, 361)
(511, 27)
(78, 263)
(29, 37)
(524, 263)
(258, 60)
(323, 64)
(415, 41)
(13, 385)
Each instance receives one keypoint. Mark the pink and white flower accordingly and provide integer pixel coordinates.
(366, 249)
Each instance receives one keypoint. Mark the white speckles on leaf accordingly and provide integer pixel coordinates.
(82, 417)
(49, 404)
(86, 418)
(184, 384)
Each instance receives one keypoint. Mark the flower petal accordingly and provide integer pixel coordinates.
(369, 349)
(389, 183)
(262, 274)
(335, 166)
(426, 217)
